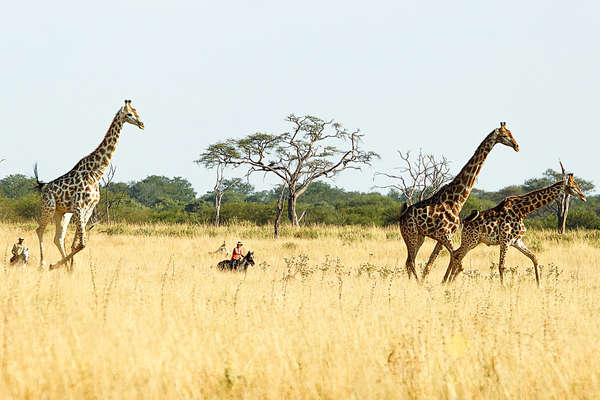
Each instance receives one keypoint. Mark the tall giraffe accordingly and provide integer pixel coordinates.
(437, 217)
(503, 225)
(76, 193)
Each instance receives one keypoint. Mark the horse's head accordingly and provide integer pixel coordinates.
(249, 258)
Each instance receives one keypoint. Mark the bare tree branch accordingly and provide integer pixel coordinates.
(110, 201)
(419, 177)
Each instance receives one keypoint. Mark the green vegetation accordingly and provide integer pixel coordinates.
(158, 199)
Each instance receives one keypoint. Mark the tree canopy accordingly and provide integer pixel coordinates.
(155, 190)
(17, 186)
(312, 148)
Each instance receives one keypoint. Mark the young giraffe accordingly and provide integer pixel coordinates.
(437, 216)
(76, 192)
(503, 225)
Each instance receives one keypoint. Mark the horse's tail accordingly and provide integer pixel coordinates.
(39, 185)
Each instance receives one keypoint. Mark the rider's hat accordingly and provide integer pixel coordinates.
(238, 243)
(21, 239)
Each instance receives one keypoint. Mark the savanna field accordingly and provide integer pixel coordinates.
(325, 313)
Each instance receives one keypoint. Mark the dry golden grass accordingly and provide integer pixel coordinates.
(333, 317)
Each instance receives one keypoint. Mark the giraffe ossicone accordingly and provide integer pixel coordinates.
(76, 193)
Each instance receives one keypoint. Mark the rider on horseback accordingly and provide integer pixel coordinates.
(237, 255)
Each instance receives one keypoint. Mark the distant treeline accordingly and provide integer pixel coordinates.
(173, 200)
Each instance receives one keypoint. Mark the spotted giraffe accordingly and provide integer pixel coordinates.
(76, 193)
(437, 217)
(503, 225)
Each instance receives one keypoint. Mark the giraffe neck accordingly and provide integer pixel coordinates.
(457, 191)
(94, 165)
(529, 202)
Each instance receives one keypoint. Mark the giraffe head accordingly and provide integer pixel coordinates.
(505, 137)
(130, 115)
(570, 186)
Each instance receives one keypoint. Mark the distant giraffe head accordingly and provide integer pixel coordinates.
(128, 114)
(505, 137)
(570, 186)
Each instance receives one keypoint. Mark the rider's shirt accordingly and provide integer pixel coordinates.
(237, 253)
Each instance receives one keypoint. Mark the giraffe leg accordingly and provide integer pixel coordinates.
(413, 244)
(503, 249)
(447, 275)
(79, 241)
(465, 247)
(47, 215)
(451, 270)
(519, 245)
(61, 221)
(445, 241)
(432, 257)
(74, 248)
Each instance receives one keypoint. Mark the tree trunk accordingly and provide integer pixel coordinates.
(562, 212)
(107, 208)
(292, 209)
(302, 216)
(218, 198)
(278, 212)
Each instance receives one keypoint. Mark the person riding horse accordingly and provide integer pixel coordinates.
(237, 255)
(242, 265)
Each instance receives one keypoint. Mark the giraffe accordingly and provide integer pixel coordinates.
(437, 217)
(76, 192)
(503, 225)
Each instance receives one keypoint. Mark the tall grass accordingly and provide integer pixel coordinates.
(325, 313)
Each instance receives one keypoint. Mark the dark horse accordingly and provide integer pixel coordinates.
(226, 265)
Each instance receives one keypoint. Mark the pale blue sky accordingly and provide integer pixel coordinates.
(433, 74)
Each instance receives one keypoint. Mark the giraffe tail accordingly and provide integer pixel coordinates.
(403, 209)
(472, 217)
(39, 185)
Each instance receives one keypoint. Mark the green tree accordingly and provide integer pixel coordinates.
(17, 186)
(161, 189)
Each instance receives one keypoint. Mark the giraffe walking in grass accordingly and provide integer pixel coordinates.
(503, 225)
(76, 193)
(437, 217)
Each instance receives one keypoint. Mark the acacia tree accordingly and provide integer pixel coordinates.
(311, 149)
(219, 156)
(419, 177)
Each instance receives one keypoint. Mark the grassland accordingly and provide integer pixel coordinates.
(325, 313)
